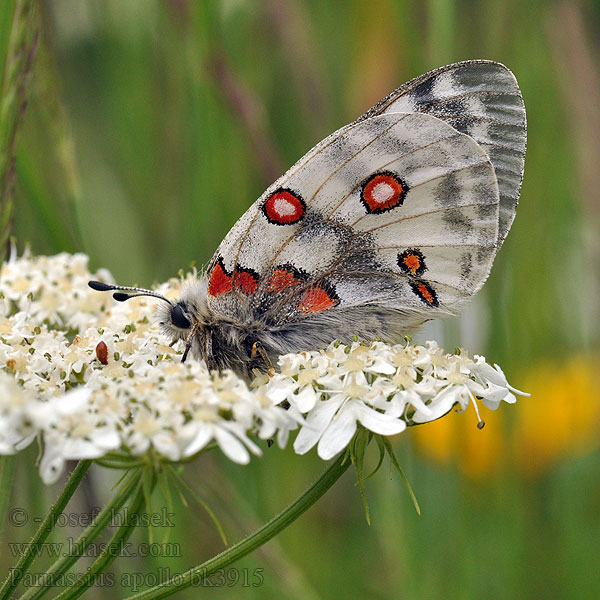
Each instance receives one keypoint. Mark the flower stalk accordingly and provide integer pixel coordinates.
(33, 548)
(127, 489)
(112, 549)
(268, 531)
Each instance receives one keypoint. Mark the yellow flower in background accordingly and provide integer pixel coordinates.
(457, 439)
(561, 420)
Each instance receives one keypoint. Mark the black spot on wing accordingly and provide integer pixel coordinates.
(451, 107)
(423, 93)
(457, 221)
(486, 211)
(359, 260)
(466, 265)
(463, 124)
(448, 191)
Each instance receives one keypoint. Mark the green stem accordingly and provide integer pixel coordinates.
(112, 550)
(18, 61)
(7, 471)
(33, 549)
(100, 523)
(257, 539)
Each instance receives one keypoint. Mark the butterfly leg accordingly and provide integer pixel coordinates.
(188, 345)
(258, 348)
(189, 341)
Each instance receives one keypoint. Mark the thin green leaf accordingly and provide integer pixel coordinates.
(180, 481)
(148, 482)
(395, 463)
(163, 480)
(20, 51)
(381, 448)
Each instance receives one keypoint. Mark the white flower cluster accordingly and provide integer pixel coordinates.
(89, 376)
(382, 387)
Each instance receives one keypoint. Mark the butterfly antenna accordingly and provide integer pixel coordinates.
(121, 297)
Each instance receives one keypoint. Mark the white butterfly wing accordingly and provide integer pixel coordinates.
(396, 213)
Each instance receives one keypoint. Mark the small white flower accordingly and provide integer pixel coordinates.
(497, 387)
(333, 422)
(16, 428)
(232, 440)
(71, 430)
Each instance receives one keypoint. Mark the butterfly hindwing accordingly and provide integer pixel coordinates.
(394, 217)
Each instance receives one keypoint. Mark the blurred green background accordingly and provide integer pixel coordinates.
(152, 125)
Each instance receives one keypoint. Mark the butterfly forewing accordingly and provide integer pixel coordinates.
(399, 213)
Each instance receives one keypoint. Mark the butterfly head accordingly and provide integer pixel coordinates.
(176, 319)
(179, 316)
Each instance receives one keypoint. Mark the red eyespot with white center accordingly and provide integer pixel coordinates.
(382, 192)
(284, 207)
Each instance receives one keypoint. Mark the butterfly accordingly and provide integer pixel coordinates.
(388, 222)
